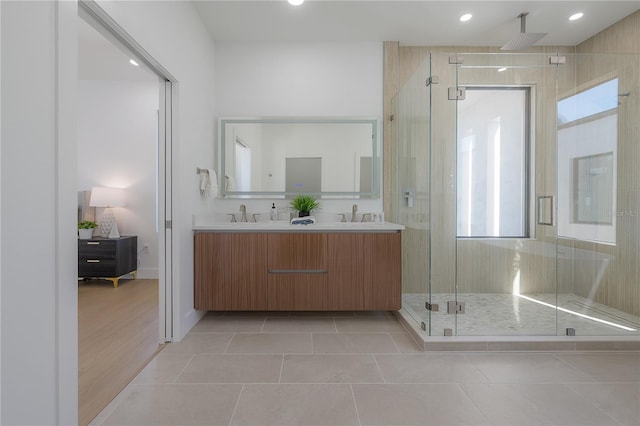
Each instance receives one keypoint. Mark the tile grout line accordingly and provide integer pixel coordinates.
(264, 321)
(281, 368)
(459, 385)
(233, 335)
(235, 407)
(353, 396)
(375, 360)
(183, 369)
(394, 342)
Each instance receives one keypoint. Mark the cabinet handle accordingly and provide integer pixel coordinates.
(93, 261)
(93, 243)
(298, 271)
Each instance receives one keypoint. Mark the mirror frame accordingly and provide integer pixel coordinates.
(375, 156)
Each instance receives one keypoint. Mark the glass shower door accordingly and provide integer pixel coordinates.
(598, 195)
(505, 235)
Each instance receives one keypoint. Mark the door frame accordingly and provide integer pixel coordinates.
(90, 11)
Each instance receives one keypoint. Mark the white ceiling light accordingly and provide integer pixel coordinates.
(503, 69)
(576, 16)
(296, 2)
(132, 62)
(465, 17)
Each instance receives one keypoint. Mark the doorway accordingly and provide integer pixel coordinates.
(129, 105)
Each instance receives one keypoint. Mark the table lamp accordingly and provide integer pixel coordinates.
(107, 197)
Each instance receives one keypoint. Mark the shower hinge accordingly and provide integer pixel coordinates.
(423, 325)
(167, 224)
(554, 60)
(433, 307)
(571, 331)
(434, 79)
(448, 332)
(456, 93)
(455, 59)
(455, 307)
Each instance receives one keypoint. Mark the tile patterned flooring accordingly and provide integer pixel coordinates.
(363, 369)
(488, 314)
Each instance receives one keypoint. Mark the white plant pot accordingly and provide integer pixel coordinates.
(85, 234)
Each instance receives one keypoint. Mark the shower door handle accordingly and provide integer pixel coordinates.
(545, 210)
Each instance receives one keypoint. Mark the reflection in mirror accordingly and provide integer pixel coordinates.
(281, 157)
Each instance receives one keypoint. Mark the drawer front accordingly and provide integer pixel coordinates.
(96, 268)
(297, 252)
(96, 249)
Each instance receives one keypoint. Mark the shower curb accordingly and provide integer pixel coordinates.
(515, 343)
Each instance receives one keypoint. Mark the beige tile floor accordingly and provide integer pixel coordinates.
(363, 369)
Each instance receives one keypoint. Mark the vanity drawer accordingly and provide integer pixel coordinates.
(297, 252)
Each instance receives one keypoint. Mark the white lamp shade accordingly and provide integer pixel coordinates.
(102, 196)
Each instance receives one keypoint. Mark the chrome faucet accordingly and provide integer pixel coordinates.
(243, 210)
(353, 212)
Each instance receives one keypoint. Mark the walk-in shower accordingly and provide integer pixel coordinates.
(517, 182)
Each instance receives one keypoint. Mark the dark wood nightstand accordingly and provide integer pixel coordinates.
(108, 258)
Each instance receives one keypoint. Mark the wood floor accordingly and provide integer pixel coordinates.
(117, 337)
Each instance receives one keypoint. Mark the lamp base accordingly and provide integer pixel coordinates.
(113, 233)
(108, 226)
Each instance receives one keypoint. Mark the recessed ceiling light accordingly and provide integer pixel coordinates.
(576, 16)
(296, 2)
(503, 69)
(465, 17)
(132, 62)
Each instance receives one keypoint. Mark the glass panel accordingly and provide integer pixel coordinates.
(598, 195)
(411, 206)
(507, 285)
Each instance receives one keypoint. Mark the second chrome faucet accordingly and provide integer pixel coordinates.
(243, 210)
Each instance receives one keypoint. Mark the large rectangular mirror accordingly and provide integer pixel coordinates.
(282, 157)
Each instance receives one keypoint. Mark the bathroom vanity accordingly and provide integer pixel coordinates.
(280, 267)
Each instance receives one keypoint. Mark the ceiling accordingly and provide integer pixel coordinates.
(421, 23)
(425, 23)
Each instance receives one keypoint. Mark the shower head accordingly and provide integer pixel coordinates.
(524, 40)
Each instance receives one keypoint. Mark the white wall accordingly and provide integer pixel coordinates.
(298, 79)
(117, 146)
(38, 216)
(174, 35)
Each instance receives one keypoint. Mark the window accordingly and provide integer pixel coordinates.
(587, 146)
(493, 162)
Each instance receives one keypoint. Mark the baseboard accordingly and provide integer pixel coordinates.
(147, 273)
(188, 321)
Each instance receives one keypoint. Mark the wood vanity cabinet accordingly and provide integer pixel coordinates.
(230, 271)
(301, 271)
(365, 271)
(297, 272)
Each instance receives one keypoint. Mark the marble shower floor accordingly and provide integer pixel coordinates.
(488, 314)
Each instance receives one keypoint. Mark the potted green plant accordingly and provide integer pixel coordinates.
(304, 204)
(85, 229)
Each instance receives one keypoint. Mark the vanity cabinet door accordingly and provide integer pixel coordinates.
(230, 271)
(297, 272)
(346, 271)
(383, 273)
(211, 254)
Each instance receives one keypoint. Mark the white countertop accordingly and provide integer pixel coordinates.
(284, 226)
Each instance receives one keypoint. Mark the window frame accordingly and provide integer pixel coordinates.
(529, 160)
